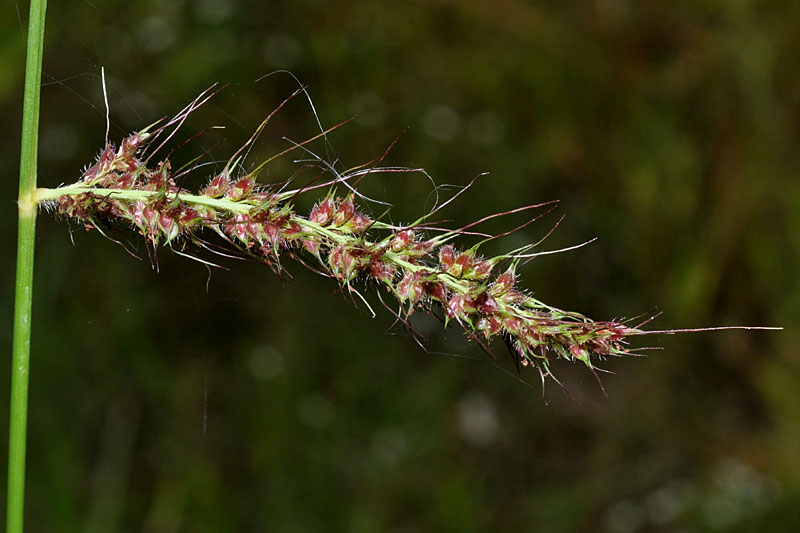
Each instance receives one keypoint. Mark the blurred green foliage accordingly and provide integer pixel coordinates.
(667, 129)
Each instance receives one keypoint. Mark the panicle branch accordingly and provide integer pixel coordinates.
(423, 273)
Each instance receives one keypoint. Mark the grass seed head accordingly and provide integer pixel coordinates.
(122, 189)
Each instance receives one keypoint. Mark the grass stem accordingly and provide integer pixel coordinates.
(24, 280)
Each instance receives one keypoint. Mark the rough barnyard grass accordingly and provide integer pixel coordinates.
(417, 264)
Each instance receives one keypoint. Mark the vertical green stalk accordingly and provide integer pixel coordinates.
(24, 283)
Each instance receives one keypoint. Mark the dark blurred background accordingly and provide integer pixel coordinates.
(667, 129)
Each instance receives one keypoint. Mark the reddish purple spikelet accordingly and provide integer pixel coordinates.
(503, 283)
(344, 211)
(409, 289)
(462, 266)
(381, 271)
(436, 291)
(130, 146)
(322, 212)
(347, 262)
(420, 249)
(489, 325)
(311, 246)
(358, 223)
(456, 306)
(402, 240)
(447, 257)
(481, 270)
(217, 187)
(241, 189)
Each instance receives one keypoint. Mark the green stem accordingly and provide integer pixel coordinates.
(24, 282)
(225, 205)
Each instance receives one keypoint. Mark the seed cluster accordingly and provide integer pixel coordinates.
(423, 274)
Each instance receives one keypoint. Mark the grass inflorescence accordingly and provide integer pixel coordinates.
(338, 239)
